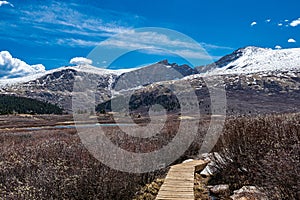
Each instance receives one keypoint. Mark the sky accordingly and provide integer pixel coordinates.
(39, 35)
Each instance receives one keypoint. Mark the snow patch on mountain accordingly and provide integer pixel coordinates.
(255, 59)
(79, 68)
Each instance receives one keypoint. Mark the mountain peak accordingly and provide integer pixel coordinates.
(164, 62)
(251, 50)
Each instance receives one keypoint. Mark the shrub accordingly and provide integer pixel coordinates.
(262, 151)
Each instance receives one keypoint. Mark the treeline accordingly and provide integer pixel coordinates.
(23, 105)
(141, 101)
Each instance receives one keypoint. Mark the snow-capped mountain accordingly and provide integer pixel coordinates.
(255, 59)
(246, 94)
(56, 86)
(78, 68)
(256, 80)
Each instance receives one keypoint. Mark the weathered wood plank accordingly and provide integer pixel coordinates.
(179, 182)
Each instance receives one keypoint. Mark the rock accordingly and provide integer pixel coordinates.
(209, 170)
(164, 62)
(220, 190)
(249, 193)
(211, 167)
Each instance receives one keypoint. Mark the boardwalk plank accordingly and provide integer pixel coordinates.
(179, 182)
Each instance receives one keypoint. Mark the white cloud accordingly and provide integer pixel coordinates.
(278, 47)
(268, 20)
(291, 40)
(182, 52)
(152, 39)
(280, 24)
(158, 43)
(286, 20)
(253, 23)
(13, 67)
(77, 42)
(58, 19)
(295, 22)
(73, 20)
(80, 61)
(213, 46)
(151, 42)
(6, 3)
(193, 54)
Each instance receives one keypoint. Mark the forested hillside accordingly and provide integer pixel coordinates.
(22, 105)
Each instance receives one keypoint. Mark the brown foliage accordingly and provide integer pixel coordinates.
(55, 165)
(262, 151)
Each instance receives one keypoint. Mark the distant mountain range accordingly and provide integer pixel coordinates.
(250, 72)
(56, 86)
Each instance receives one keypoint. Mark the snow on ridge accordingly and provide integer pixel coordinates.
(13, 81)
(251, 60)
(80, 68)
(100, 71)
(255, 59)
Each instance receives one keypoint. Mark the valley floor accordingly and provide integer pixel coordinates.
(52, 163)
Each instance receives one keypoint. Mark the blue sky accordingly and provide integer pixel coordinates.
(52, 32)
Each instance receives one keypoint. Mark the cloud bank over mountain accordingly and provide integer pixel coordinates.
(13, 67)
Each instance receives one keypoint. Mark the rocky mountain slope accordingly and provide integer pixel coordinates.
(56, 86)
(258, 93)
(246, 94)
(256, 80)
(161, 71)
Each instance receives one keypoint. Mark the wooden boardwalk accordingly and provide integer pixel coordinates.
(179, 182)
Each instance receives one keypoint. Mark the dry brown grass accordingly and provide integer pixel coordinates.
(55, 165)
